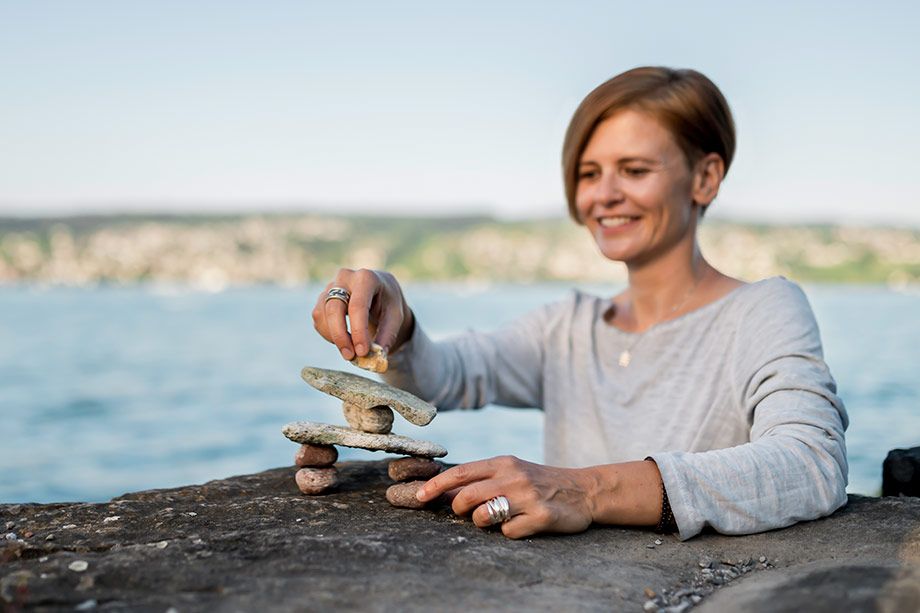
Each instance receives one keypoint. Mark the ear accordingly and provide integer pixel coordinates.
(707, 177)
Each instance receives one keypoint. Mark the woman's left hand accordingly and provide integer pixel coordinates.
(542, 498)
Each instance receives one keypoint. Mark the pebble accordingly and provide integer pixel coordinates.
(762, 559)
(650, 546)
(316, 480)
(316, 455)
(376, 420)
(403, 495)
(162, 545)
(10, 536)
(374, 361)
(649, 593)
(650, 606)
(78, 566)
(86, 605)
(658, 541)
(412, 469)
(10, 525)
(110, 519)
(68, 526)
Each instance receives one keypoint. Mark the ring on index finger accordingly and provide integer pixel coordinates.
(499, 510)
(338, 293)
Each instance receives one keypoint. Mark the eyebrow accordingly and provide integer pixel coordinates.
(626, 160)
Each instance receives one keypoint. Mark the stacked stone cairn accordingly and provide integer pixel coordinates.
(369, 408)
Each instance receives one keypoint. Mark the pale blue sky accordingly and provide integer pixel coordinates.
(431, 107)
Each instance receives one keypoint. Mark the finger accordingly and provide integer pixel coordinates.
(338, 330)
(519, 526)
(319, 315)
(457, 476)
(391, 318)
(476, 494)
(365, 286)
(481, 517)
(451, 494)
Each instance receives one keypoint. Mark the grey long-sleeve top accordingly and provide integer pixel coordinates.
(733, 401)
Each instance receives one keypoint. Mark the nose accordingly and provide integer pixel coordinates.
(607, 191)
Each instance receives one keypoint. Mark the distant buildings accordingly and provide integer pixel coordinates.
(212, 253)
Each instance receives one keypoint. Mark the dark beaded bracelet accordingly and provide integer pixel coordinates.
(667, 523)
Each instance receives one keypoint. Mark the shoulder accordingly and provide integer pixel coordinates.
(775, 312)
(775, 298)
(575, 310)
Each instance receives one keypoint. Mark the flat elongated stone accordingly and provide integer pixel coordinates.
(367, 393)
(376, 420)
(326, 434)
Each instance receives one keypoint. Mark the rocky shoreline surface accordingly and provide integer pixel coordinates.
(254, 541)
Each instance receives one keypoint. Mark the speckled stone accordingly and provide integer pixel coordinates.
(316, 455)
(410, 469)
(374, 361)
(316, 480)
(366, 393)
(326, 434)
(376, 420)
(403, 495)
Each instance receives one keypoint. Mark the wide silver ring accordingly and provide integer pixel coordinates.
(499, 510)
(338, 293)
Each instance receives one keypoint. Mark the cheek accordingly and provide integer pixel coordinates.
(582, 203)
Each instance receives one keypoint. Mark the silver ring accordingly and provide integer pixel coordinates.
(338, 293)
(499, 510)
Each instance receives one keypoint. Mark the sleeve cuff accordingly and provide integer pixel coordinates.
(689, 522)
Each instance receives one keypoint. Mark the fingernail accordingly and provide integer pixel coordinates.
(346, 353)
(359, 349)
(420, 494)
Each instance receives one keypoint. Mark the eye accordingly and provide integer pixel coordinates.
(635, 171)
(587, 173)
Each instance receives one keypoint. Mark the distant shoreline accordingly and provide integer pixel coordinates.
(216, 251)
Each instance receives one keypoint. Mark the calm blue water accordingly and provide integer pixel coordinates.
(110, 390)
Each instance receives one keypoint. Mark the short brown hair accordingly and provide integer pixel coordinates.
(686, 102)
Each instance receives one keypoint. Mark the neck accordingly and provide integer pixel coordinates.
(662, 287)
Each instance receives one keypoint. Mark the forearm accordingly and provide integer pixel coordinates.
(625, 494)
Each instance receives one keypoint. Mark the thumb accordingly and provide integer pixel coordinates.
(388, 327)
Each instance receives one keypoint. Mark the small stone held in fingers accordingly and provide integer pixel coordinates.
(374, 361)
(316, 455)
(314, 481)
(403, 495)
(410, 469)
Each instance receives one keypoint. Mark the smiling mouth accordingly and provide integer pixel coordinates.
(613, 222)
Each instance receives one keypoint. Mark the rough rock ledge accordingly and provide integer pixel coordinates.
(255, 543)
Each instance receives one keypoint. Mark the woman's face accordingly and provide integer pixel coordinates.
(634, 189)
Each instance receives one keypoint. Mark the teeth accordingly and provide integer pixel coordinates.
(610, 222)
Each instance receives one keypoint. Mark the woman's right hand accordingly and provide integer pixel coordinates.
(377, 311)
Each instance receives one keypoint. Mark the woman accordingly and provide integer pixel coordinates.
(689, 399)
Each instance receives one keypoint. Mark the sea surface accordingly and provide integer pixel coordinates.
(110, 390)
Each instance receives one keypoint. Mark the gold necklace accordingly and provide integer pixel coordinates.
(626, 354)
